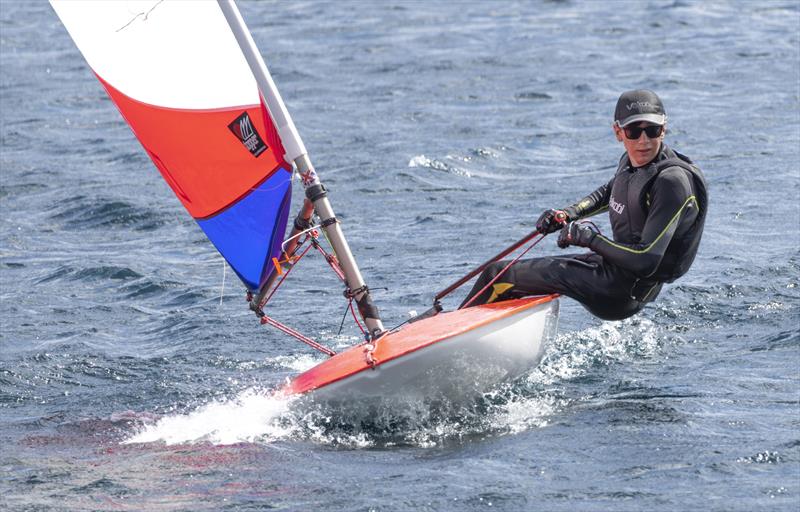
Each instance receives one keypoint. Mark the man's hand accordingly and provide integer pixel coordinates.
(551, 221)
(576, 234)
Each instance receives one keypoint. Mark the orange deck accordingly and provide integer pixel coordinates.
(411, 337)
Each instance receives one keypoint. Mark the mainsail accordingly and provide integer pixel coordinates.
(189, 80)
(178, 76)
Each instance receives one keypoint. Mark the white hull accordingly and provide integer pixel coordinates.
(454, 369)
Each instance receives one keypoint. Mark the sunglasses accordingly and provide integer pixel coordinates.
(652, 131)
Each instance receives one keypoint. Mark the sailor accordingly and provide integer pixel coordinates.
(657, 205)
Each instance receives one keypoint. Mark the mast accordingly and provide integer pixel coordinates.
(296, 153)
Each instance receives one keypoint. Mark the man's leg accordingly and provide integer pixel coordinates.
(604, 290)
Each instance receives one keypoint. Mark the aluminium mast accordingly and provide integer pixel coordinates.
(296, 154)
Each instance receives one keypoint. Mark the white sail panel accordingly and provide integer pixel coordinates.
(177, 75)
(169, 53)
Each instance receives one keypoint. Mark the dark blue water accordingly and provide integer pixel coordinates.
(130, 380)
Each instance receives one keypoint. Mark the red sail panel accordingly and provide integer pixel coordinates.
(210, 158)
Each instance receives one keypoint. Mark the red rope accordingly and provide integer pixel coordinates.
(335, 266)
(332, 262)
(331, 259)
(265, 301)
(490, 283)
(355, 317)
(291, 332)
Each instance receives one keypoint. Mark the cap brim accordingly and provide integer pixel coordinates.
(659, 119)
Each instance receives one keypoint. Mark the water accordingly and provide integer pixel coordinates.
(442, 131)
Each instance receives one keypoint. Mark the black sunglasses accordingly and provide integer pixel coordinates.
(652, 131)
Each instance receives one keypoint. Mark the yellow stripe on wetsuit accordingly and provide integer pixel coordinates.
(499, 289)
(654, 242)
(599, 210)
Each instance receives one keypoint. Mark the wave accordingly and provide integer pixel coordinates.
(258, 415)
(80, 212)
(438, 165)
(102, 272)
(251, 416)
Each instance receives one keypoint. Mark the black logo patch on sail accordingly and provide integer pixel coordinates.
(243, 128)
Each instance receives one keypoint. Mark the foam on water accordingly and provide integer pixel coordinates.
(248, 417)
(438, 165)
(441, 131)
(572, 354)
(256, 415)
(298, 363)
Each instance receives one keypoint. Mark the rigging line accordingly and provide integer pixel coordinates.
(401, 324)
(333, 249)
(499, 274)
(222, 290)
(333, 262)
(283, 278)
(283, 245)
(277, 185)
(341, 324)
(297, 335)
(312, 228)
(355, 317)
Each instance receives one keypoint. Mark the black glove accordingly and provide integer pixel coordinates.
(576, 234)
(551, 221)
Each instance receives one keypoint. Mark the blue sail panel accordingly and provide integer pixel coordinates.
(249, 233)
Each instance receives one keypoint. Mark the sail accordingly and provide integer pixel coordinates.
(178, 77)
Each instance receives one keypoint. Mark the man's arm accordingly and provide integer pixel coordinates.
(594, 203)
(673, 202)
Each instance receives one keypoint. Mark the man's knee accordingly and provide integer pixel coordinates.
(493, 269)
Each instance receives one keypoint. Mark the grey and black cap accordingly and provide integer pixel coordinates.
(639, 105)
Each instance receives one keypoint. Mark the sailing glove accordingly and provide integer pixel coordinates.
(551, 221)
(576, 234)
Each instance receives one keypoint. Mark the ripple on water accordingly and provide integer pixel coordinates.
(81, 212)
(789, 339)
(68, 272)
(765, 457)
(529, 403)
(146, 287)
(438, 165)
(574, 354)
(532, 96)
(250, 416)
(507, 114)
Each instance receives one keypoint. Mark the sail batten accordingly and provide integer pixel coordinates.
(176, 73)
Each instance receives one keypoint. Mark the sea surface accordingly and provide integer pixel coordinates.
(133, 376)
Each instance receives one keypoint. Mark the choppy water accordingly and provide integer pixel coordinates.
(442, 131)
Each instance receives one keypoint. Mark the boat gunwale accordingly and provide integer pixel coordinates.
(509, 308)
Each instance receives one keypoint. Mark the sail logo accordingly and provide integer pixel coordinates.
(617, 207)
(244, 130)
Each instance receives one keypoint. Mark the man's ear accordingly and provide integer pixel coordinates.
(617, 131)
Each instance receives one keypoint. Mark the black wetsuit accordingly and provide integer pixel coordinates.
(657, 214)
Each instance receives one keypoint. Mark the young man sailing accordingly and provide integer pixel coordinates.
(656, 203)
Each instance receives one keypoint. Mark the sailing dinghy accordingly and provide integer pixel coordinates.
(187, 77)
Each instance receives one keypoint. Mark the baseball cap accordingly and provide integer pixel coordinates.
(639, 105)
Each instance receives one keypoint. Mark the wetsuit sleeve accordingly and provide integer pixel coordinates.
(594, 203)
(671, 203)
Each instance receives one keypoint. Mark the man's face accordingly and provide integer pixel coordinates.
(642, 149)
